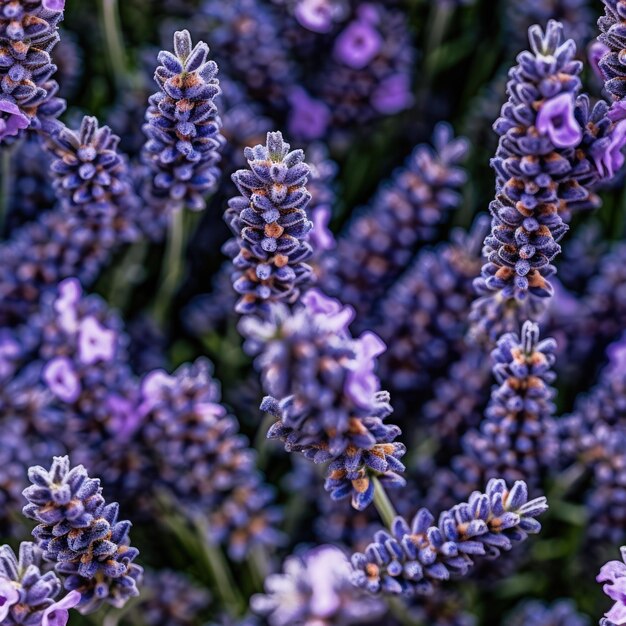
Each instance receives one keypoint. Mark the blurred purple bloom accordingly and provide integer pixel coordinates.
(13, 121)
(556, 119)
(362, 384)
(95, 342)
(321, 237)
(595, 51)
(54, 5)
(62, 380)
(358, 44)
(617, 112)
(393, 94)
(57, 614)
(328, 312)
(317, 15)
(70, 292)
(608, 154)
(308, 118)
(614, 573)
(8, 597)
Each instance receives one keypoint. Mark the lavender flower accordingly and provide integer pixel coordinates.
(410, 559)
(81, 534)
(270, 225)
(518, 438)
(90, 177)
(538, 174)
(28, 32)
(27, 596)
(423, 317)
(370, 72)
(536, 613)
(315, 588)
(380, 240)
(612, 36)
(326, 396)
(614, 575)
(172, 599)
(250, 49)
(183, 128)
(191, 436)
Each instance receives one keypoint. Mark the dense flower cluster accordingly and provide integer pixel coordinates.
(326, 396)
(192, 437)
(28, 594)
(183, 129)
(28, 33)
(540, 178)
(409, 559)
(380, 240)
(270, 225)
(81, 535)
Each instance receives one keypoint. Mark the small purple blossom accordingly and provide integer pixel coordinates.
(8, 597)
(321, 237)
(308, 118)
(362, 384)
(609, 156)
(54, 5)
(556, 119)
(358, 44)
(12, 121)
(317, 15)
(95, 342)
(328, 312)
(393, 94)
(57, 614)
(62, 380)
(70, 293)
(614, 574)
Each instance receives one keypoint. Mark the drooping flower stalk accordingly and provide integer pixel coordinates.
(410, 559)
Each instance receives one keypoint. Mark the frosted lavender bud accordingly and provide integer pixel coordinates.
(612, 35)
(81, 535)
(614, 575)
(412, 558)
(270, 225)
(27, 595)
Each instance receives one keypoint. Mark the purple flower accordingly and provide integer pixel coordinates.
(358, 44)
(308, 118)
(317, 15)
(70, 292)
(95, 342)
(321, 237)
(54, 5)
(62, 380)
(608, 156)
(362, 384)
(8, 597)
(13, 121)
(556, 119)
(617, 112)
(57, 614)
(126, 417)
(328, 312)
(614, 573)
(393, 94)
(595, 52)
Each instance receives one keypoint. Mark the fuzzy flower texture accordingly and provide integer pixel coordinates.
(326, 396)
(81, 535)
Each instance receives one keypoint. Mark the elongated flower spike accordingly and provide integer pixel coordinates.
(28, 595)
(270, 225)
(28, 33)
(182, 128)
(81, 535)
(410, 559)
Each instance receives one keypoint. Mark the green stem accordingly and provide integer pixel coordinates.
(115, 44)
(6, 184)
(383, 503)
(257, 562)
(221, 572)
(129, 273)
(172, 266)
